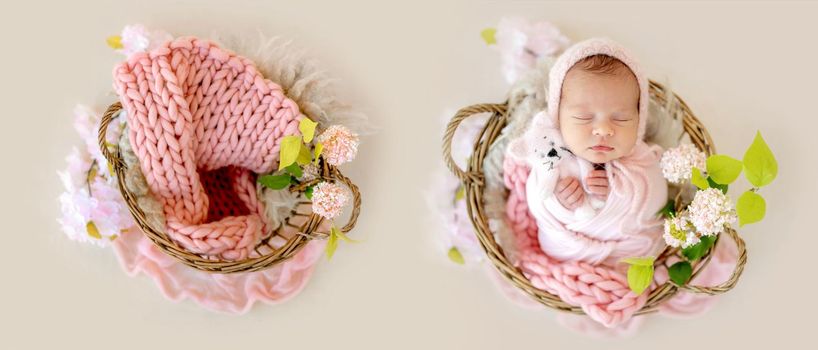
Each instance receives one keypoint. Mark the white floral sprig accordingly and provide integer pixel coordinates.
(340, 145)
(695, 227)
(136, 38)
(677, 163)
(711, 212)
(522, 43)
(299, 164)
(329, 199)
(679, 232)
(92, 208)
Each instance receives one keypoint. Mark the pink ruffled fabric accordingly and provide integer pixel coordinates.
(228, 293)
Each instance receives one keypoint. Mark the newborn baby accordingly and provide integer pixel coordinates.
(595, 186)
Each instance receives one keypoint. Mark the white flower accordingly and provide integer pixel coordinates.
(329, 199)
(711, 211)
(679, 232)
(677, 163)
(137, 38)
(340, 145)
(521, 43)
(309, 172)
(92, 207)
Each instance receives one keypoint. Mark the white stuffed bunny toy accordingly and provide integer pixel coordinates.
(543, 149)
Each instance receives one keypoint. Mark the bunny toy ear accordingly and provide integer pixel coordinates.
(542, 120)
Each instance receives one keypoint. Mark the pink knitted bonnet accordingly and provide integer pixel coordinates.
(203, 122)
(590, 47)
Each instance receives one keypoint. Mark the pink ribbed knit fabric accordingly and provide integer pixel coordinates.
(203, 121)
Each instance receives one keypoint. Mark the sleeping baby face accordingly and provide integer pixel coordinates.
(599, 109)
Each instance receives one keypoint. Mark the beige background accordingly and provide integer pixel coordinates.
(741, 67)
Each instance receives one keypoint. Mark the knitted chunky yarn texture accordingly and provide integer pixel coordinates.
(203, 122)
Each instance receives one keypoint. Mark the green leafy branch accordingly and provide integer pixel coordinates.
(294, 155)
(760, 169)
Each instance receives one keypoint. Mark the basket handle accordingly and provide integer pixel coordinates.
(113, 159)
(356, 200)
(731, 282)
(497, 109)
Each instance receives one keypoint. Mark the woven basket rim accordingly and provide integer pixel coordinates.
(473, 181)
(306, 232)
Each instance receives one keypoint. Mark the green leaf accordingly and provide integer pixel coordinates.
(275, 182)
(641, 261)
(290, 148)
(304, 155)
(760, 166)
(750, 208)
(294, 170)
(697, 179)
(680, 272)
(307, 128)
(332, 244)
(718, 186)
(455, 256)
(723, 169)
(336, 231)
(92, 230)
(639, 277)
(669, 210)
(308, 192)
(319, 147)
(488, 35)
(698, 250)
(460, 194)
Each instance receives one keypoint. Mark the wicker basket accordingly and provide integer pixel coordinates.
(306, 232)
(473, 182)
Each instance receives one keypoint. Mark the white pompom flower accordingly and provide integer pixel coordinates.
(522, 43)
(677, 163)
(340, 145)
(137, 38)
(329, 199)
(679, 232)
(711, 212)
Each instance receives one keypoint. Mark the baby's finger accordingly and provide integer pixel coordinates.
(596, 181)
(597, 173)
(598, 189)
(576, 196)
(563, 183)
(570, 187)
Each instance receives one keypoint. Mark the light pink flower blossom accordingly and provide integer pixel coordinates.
(329, 199)
(677, 163)
(711, 211)
(137, 38)
(522, 43)
(340, 145)
(679, 232)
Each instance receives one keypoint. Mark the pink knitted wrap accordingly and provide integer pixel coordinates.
(203, 122)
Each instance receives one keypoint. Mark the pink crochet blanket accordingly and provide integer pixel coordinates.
(203, 121)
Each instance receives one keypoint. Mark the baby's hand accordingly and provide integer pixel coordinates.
(597, 181)
(569, 193)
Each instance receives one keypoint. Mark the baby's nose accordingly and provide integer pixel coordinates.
(603, 129)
